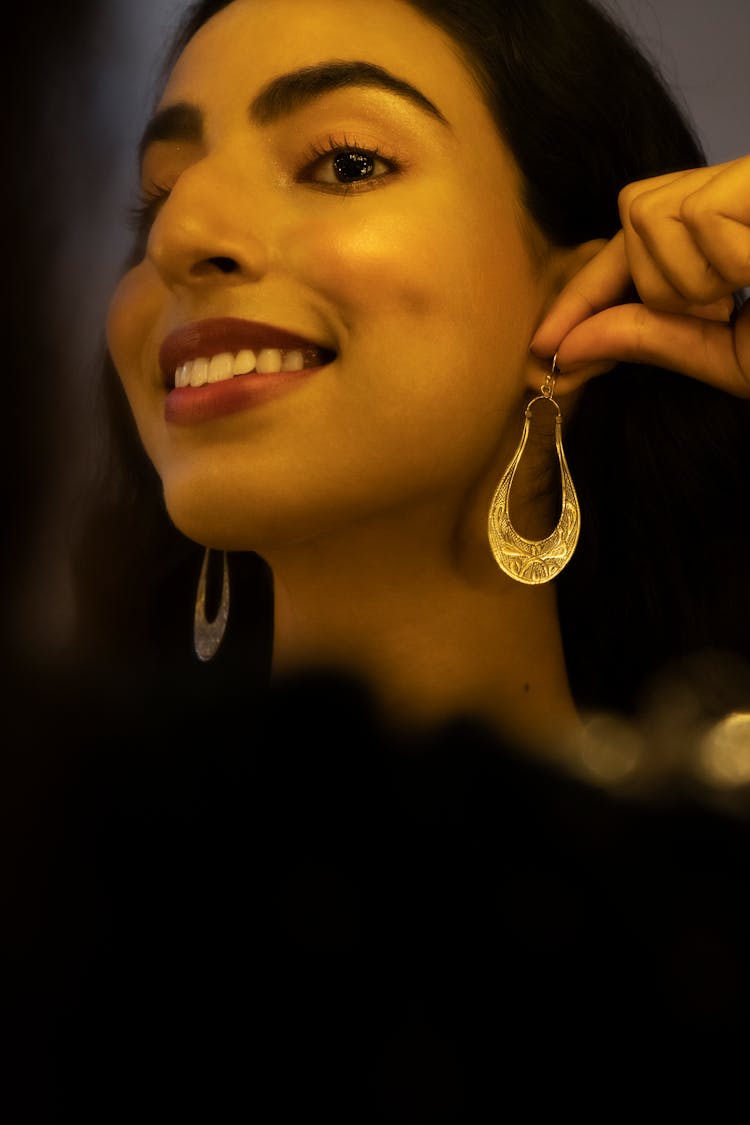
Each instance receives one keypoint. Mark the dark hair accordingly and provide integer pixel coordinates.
(659, 573)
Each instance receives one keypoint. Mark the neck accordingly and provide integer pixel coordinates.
(433, 637)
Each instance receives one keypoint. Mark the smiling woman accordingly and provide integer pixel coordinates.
(338, 258)
(354, 244)
(414, 635)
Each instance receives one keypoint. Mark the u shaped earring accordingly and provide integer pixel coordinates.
(535, 561)
(208, 635)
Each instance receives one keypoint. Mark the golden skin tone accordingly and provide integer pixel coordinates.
(367, 487)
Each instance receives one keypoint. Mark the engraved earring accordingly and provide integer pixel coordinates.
(208, 635)
(535, 561)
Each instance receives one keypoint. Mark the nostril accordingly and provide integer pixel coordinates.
(226, 265)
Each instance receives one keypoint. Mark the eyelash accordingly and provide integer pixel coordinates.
(143, 213)
(332, 148)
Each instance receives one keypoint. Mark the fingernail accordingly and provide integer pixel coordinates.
(717, 310)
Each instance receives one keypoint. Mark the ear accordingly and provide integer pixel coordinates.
(561, 266)
(564, 262)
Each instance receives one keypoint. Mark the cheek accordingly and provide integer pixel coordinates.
(438, 316)
(458, 278)
(132, 314)
(369, 266)
(132, 319)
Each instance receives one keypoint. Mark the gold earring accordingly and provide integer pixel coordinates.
(208, 635)
(535, 561)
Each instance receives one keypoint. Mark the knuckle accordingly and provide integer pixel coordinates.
(626, 194)
(660, 300)
(626, 198)
(693, 210)
(640, 316)
(735, 267)
(643, 209)
(701, 290)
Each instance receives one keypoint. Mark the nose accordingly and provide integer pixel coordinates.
(206, 232)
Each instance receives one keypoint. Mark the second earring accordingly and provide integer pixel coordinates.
(208, 635)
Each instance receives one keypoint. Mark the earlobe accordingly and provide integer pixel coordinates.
(566, 381)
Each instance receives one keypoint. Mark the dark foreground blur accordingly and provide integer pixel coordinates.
(226, 908)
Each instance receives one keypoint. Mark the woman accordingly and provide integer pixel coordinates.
(493, 224)
(260, 893)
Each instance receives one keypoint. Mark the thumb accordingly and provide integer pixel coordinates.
(708, 350)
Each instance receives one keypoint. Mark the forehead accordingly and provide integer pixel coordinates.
(250, 42)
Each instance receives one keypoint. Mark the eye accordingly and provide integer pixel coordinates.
(350, 166)
(346, 166)
(143, 212)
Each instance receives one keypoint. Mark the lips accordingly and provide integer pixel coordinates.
(207, 338)
(219, 367)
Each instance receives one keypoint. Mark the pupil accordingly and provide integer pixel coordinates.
(352, 166)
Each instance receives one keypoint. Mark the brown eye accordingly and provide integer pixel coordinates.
(348, 166)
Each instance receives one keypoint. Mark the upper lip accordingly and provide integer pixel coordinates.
(205, 338)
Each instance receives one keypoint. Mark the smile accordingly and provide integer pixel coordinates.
(220, 348)
(267, 361)
(218, 367)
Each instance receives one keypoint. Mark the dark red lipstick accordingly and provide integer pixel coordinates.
(226, 334)
(204, 339)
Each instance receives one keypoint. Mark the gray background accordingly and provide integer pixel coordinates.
(101, 100)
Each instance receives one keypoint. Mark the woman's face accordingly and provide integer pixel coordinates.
(325, 169)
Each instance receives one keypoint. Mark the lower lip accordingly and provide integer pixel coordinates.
(186, 406)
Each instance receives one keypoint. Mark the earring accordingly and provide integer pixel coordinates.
(208, 635)
(535, 561)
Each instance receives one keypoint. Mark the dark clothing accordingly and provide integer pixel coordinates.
(273, 908)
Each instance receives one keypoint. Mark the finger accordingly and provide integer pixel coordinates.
(693, 230)
(606, 279)
(714, 353)
(671, 274)
(669, 269)
(603, 281)
(702, 174)
(720, 310)
(717, 215)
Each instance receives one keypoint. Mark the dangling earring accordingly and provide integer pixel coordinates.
(535, 561)
(208, 635)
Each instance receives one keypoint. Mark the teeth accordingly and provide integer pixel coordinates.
(268, 362)
(199, 372)
(244, 362)
(218, 368)
(292, 361)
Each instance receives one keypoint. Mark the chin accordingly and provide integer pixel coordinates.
(213, 528)
(203, 515)
(224, 520)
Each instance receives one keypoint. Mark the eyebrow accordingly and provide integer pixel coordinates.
(180, 122)
(284, 95)
(289, 92)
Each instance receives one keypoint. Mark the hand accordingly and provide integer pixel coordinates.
(685, 245)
